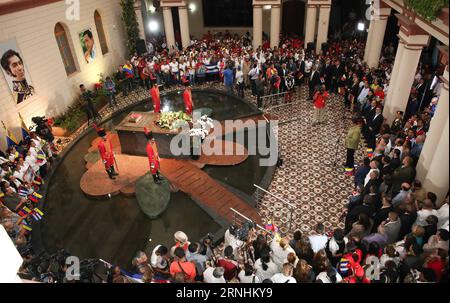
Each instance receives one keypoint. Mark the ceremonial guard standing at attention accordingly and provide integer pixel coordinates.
(106, 152)
(187, 97)
(153, 157)
(154, 92)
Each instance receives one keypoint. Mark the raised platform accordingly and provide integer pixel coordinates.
(132, 136)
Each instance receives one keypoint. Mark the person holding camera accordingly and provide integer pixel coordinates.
(89, 107)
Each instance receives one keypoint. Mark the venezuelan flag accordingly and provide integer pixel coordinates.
(348, 169)
(1, 194)
(34, 197)
(37, 214)
(128, 70)
(369, 152)
(25, 211)
(10, 139)
(25, 132)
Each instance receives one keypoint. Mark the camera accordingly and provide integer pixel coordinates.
(242, 233)
(43, 129)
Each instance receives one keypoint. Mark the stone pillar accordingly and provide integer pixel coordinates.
(376, 36)
(437, 178)
(368, 41)
(275, 21)
(140, 21)
(310, 28)
(257, 26)
(168, 28)
(438, 125)
(402, 78)
(324, 21)
(184, 26)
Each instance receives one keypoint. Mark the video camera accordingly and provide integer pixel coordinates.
(43, 129)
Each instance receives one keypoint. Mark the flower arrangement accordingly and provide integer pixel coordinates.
(202, 127)
(173, 120)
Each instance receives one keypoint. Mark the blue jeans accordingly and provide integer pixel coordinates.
(192, 79)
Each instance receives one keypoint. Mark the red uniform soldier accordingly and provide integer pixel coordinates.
(154, 92)
(187, 97)
(106, 152)
(153, 157)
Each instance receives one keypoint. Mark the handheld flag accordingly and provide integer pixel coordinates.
(10, 139)
(35, 197)
(25, 211)
(25, 132)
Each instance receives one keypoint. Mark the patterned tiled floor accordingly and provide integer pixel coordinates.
(308, 178)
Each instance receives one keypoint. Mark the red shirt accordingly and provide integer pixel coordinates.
(229, 267)
(187, 96)
(188, 268)
(320, 99)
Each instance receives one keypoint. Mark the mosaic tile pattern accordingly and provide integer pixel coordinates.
(308, 177)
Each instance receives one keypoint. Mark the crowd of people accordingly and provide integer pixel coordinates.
(395, 230)
(23, 168)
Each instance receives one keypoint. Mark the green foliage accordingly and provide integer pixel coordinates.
(131, 24)
(428, 9)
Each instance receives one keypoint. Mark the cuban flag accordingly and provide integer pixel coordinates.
(23, 192)
(211, 69)
(37, 214)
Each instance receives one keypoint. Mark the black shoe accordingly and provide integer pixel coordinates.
(112, 177)
(115, 174)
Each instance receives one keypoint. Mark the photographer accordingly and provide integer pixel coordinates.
(43, 129)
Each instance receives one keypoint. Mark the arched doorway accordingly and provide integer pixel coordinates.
(293, 17)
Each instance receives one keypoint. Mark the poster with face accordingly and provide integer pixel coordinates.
(16, 74)
(88, 45)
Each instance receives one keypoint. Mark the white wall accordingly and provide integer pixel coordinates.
(34, 32)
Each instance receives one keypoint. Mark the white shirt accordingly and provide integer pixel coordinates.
(442, 214)
(157, 261)
(248, 279)
(422, 216)
(367, 179)
(239, 77)
(262, 274)
(208, 276)
(165, 68)
(364, 92)
(324, 277)
(174, 67)
(230, 240)
(308, 66)
(281, 278)
(318, 242)
(279, 255)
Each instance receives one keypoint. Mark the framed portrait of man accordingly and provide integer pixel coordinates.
(88, 45)
(15, 71)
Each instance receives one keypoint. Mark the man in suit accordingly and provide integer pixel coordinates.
(337, 73)
(406, 173)
(353, 215)
(314, 81)
(392, 227)
(374, 126)
(283, 72)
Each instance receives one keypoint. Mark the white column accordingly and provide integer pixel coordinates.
(257, 26)
(368, 41)
(275, 21)
(404, 78)
(376, 42)
(140, 21)
(310, 29)
(324, 21)
(184, 26)
(394, 74)
(437, 178)
(168, 28)
(434, 134)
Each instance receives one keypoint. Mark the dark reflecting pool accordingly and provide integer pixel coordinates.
(114, 229)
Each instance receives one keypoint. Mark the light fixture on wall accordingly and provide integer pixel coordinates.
(361, 26)
(192, 7)
(153, 26)
(152, 9)
(267, 7)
